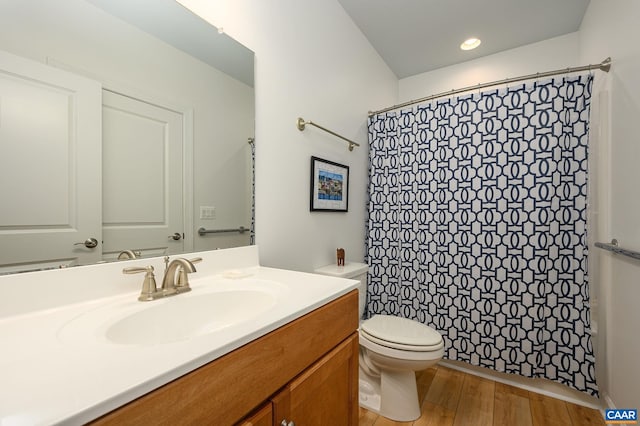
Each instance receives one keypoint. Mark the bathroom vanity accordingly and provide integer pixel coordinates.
(307, 369)
(248, 345)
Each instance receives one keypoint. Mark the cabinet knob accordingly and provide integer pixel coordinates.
(285, 423)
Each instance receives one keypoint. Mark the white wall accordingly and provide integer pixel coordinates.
(610, 28)
(311, 62)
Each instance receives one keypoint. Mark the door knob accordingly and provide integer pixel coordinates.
(88, 243)
(176, 236)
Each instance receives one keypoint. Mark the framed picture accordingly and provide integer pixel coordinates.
(329, 186)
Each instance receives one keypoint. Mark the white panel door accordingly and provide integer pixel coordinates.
(143, 177)
(50, 164)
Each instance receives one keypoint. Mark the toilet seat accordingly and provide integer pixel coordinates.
(401, 334)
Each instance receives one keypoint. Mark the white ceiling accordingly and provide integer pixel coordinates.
(416, 36)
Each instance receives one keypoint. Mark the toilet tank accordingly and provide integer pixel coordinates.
(354, 271)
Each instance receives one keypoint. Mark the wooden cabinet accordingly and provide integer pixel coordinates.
(325, 394)
(262, 417)
(305, 371)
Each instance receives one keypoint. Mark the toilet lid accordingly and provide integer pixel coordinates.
(401, 333)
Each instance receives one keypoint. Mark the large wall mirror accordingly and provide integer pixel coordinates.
(125, 127)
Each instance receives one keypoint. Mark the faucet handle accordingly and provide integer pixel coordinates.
(149, 289)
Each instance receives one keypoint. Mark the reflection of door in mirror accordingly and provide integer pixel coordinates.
(156, 53)
(142, 177)
(49, 160)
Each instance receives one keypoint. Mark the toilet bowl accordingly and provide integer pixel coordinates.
(392, 350)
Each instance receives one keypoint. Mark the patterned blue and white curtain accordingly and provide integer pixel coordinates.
(477, 226)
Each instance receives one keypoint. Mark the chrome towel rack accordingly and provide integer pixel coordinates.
(301, 125)
(203, 231)
(613, 247)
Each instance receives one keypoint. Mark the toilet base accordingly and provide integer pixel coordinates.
(400, 403)
(368, 398)
(395, 398)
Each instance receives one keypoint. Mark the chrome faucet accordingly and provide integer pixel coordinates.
(175, 279)
(128, 254)
(177, 267)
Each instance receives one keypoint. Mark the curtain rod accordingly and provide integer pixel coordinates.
(602, 66)
(301, 124)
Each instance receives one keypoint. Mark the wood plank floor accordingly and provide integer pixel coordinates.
(450, 397)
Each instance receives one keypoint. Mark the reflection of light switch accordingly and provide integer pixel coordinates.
(207, 212)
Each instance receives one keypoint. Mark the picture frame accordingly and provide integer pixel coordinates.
(329, 186)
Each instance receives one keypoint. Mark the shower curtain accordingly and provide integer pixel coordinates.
(477, 226)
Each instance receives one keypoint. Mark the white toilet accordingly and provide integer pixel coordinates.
(392, 349)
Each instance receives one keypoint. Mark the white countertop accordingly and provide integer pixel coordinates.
(50, 375)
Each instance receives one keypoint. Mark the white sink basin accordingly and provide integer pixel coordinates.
(204, 310)
(187, 317)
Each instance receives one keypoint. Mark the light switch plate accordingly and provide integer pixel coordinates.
(207, 212)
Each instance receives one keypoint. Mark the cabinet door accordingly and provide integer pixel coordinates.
(263, 417)
(326, 393)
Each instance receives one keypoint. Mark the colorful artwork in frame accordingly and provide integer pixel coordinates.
(329, 186)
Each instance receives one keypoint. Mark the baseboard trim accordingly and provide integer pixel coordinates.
(608, 402)
(541, 386)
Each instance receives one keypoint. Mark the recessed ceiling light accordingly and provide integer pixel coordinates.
(471, 43)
